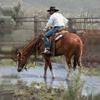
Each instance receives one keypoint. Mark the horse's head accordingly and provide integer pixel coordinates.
(31, 48)
(21, 61)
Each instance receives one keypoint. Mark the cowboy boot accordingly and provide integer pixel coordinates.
(47, 51)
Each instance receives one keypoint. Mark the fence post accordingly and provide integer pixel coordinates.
(35, 25)
(70, 24)
(71, 27)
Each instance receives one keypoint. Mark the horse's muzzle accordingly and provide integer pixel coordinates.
(19, 70)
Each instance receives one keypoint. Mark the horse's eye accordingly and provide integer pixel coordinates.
(17, 56)
(21, 59)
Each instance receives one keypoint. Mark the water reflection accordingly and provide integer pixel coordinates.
(10, 75)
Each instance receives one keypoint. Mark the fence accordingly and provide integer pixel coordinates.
(74, 23)
(91, 26)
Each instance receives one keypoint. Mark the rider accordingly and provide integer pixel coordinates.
(54, 24)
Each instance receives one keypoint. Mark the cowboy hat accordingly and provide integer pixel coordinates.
(52, 8)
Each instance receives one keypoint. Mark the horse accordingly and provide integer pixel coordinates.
(66, 44)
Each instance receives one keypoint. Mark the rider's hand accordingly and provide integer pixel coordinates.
(44, 30)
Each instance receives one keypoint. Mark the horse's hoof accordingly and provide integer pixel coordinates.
(44, 77)
(53, 77)
(67, 79)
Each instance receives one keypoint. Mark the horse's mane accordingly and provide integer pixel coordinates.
(32, 43)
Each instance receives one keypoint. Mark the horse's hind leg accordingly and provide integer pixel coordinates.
(80, 67)
(68, 61)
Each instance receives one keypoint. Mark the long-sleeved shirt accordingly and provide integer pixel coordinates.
(56, 19)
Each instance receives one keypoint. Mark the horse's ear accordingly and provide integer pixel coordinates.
(18, 52)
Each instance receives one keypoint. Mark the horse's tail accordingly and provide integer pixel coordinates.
(74, 62)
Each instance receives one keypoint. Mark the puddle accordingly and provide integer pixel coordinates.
(10, 75)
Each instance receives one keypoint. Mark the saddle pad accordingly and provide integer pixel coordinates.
(58, 37)
(60, 34)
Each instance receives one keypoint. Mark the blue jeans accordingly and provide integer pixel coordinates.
(48, 34)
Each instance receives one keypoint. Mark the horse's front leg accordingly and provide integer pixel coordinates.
(50, 67)
(48, 64)
(45, 70)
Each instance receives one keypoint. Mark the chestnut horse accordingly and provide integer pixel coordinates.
(69, 44)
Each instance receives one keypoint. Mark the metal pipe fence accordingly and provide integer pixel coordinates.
(74, 23)
(90, 25)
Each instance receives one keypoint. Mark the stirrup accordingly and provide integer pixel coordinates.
(47, 51)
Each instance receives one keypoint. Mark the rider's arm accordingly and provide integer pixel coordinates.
(49, 23)
(65, 21)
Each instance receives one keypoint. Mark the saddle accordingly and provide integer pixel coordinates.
(53, 39)
(58, 35)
